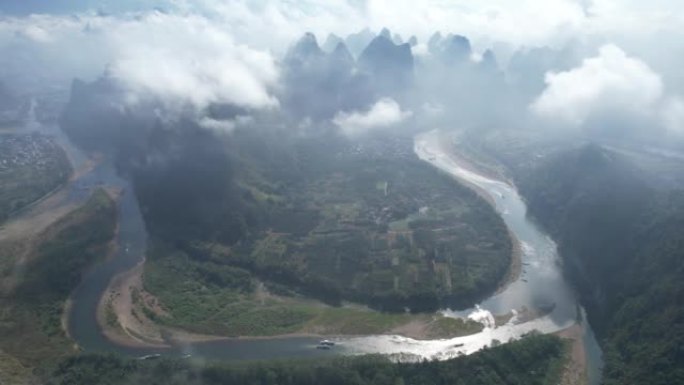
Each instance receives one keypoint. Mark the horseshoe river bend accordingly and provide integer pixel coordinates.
(540, 285)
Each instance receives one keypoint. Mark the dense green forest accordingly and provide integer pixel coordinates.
(622, 242)
(533, 360)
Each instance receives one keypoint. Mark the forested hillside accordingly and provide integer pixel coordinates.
(623, 246)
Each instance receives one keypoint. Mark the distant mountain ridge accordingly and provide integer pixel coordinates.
(390, 65)
(383, 69)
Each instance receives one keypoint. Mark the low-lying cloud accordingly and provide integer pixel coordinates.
(197, 53)
(181, 59)
(672, 115)
(611, 82)
(225, 126)
(610, 90)
(385, 113)
(189, 59)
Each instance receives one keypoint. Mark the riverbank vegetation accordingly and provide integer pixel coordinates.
(31, 166)
(533, 360)
(36, 289)
(230, 301)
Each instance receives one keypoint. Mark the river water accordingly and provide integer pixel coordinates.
(540, 285)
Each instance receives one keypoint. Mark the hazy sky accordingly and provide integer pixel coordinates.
(520, 22)
(204, 51)
(26, 7)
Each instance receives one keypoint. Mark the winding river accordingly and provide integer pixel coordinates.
(541, 284)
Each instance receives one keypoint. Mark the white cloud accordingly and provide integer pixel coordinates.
(190, 59)
(186, 59)
(35, 33)
(610, 82)
(433, 109)
(386, 112)
(273, 24)
(202, 51)
(225, 126)
(524, 22)
(672, 115)
(519, 23)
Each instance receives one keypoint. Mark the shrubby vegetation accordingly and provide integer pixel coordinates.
(71, 245)
(30, 320)
(533, 360)
(219, 299)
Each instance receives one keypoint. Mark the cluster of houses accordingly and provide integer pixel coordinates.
(34, 150)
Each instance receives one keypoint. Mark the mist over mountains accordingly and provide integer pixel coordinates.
(340, 95)
(430, 69)
(320, 85)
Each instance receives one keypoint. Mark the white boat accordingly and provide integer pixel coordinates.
(150, 357)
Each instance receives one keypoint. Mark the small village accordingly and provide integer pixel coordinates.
(34, 150)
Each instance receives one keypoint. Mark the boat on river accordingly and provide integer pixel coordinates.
(149, 357)
(325, 345)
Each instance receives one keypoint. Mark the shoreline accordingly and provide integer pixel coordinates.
(575, 371)
(129, 330)
(168, 337)
(515, 267)
(476, 166)
(132, 328)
